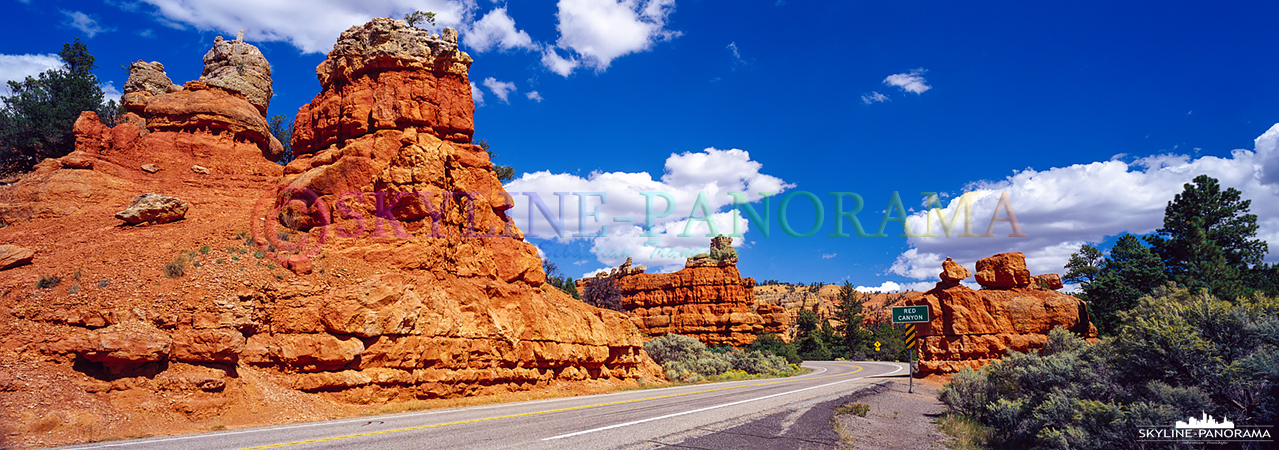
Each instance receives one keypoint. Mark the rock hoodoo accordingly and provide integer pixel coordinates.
(1011, 313)
(708, 299)
(408, 280)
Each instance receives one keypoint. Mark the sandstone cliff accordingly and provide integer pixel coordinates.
(1012, 312)
(407, 279)
(708, 299)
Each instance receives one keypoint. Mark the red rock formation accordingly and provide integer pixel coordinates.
(393, 295)
(972, 328)
(708, 299)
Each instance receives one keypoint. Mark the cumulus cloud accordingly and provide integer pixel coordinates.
(599, 31)
(912, 81)
(534, 96)
(563, 66)
(308, 26)
(874, 97)
(19, 67)
(85, 23)
(110, 92)
(502, 89)
(694, 185)
(496, 30)
(477, 95)
(1060, 209)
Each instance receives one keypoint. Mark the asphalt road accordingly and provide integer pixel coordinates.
(632, 419)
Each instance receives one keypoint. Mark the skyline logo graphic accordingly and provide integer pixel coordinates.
(1206, 422)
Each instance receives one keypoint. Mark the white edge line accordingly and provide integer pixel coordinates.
(708, 408)
(145, 441)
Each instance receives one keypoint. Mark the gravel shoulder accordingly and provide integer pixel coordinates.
(897, 420)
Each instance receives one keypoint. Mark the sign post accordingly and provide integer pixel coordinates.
(911, 315)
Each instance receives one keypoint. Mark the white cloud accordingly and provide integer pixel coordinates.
(558, 64)
(477, 95)
(1063, 208)
(110, 92)
(83, 22)
(736, 55)
(600, 31)
(534, 96)
(912, 81)
(828, 255)
(310, 26)
(712, 172)
(502, 89)
(19, 67)
(874, 97)
(496, 30)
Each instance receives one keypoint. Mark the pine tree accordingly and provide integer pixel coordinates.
(1208, 234)
(1132, 271)
(1084, 265)
(36, 120)
(856, 340)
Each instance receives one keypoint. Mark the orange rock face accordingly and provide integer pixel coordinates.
(972, 328)
(712, 303)
(407, 279)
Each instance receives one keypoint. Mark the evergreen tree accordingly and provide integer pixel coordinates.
(855, 339)
(1132, 271)
(37, 118)
(1084, 265)
(282, 129)
(811, 347)
(1209, 234)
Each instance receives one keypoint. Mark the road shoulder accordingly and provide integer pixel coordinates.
(895, 420)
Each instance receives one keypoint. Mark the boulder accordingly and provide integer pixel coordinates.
(1048, 281)
(239, 67)
(13, 256)
(146, 80)
(1003, 271)
(153, 208)
(952, 273)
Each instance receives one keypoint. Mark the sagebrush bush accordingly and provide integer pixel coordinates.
(1177, 355)
(687, 359)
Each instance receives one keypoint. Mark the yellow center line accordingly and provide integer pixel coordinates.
(549, 411)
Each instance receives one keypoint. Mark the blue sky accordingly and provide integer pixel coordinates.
(1090, 115)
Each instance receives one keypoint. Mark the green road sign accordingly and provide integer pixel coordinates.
(911, 314)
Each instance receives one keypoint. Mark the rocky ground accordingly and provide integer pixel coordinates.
(897, 420)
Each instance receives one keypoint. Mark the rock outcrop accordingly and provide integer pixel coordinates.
(708, 299)
(146, 80)
(379, 266)
(239, 68)
(970, 328)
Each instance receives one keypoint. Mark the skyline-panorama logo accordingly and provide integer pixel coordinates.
(1206, 429)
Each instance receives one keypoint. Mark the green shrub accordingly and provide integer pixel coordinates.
(1177, 354)
(857, 409)
(687, 359)
(48, 281)
(204, 250)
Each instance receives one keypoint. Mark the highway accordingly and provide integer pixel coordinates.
(647, 418)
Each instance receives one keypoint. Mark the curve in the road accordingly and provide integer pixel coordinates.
(857, 368)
